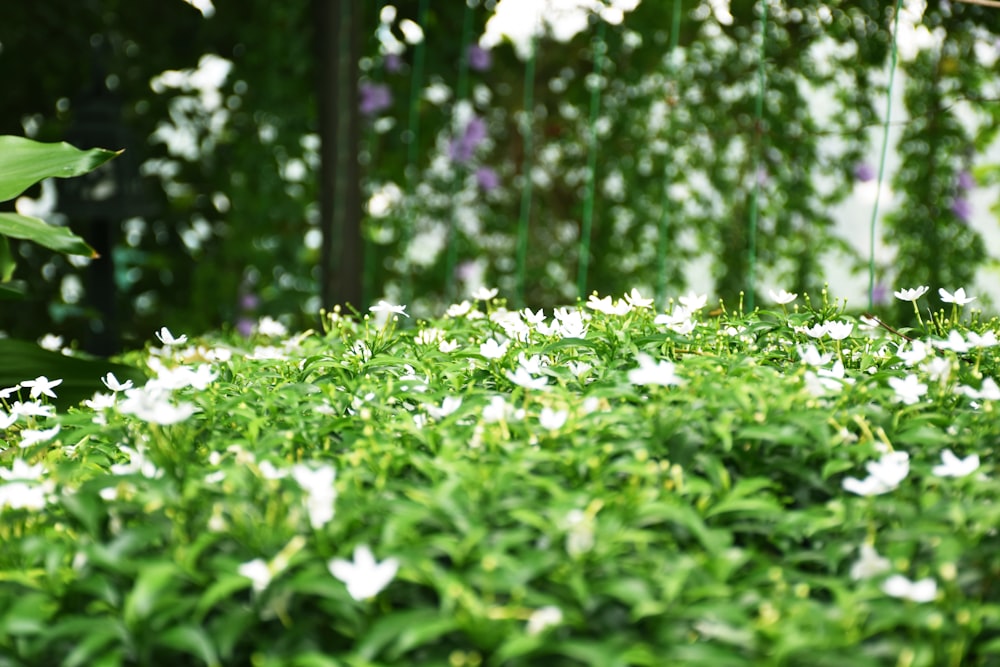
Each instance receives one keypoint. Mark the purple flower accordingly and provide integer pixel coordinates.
(479, 58)
(463, 148)
(962, 209)
(487, 179)
(393, 63)
(244, 326)
(880, 293)
(966, 181)
(375, 97)
(864, 172)
(249, 301)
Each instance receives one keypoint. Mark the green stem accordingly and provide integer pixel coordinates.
(527, 135)
(881, 163)
(416, 81)
(755, 194)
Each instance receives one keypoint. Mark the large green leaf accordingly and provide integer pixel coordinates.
(60, 239)
(24, 162)
(81, 377)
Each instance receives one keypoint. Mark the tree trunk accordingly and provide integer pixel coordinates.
(338, 27)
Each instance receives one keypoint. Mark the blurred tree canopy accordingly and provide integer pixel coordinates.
(221, 113)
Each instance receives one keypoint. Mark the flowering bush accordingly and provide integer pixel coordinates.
(603, 484)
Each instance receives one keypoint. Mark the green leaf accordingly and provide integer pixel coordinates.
(24, 162)
(405, 631)
(60, 239)
(22, 360)
(191, 639)
(7, 263)
(29, 615)
(149, 586)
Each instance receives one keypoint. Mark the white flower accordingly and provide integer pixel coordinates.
(493, 350)
(636, 300)
(988, 339)
(152, 404)
(22, 471)
(31, 409)
(321, 493)
(884, 475)
(958, 298)
(606, 306)
(955, 343)
(909, 389)
(7, 392)
(112, 383)
(781, 297)
(137, 464)
(448, 346)
(899, 586)
(869, 565)
(839, 330)
(660, 373)
(580, 533)
(552, 420)
(952, 466)
(811, 356)
(693, 301)
(167, 338)
(364, 577)
(458, 309)
(484, 294)
(6, 421)
(41, 385)
(989, 391)
(31, 437)
(915, 354)
(815, 331)
(523, 378)
(543, 618)
(258, 572)
(386, 307)
(496, 410)
(449, 405)
(937, 369)
(272, 328)
(22, 495)
(911, 294)
(51, 342)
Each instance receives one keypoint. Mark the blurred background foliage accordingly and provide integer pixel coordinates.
(219, 117)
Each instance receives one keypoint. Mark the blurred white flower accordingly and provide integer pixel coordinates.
(988, 339)
(552, 420)
(258, 572)
(272, 328)
(484, 294)
(884, 475)
(523, 378)
(812, 357)
(21, 470)
(168, 338)
(955, 343)
(869, 565)
(952, 466)
(31, 437)
(606, 305)
(899, 586)
(494, 350)
(693, 301)
(543, 618)
(580, 533)
(385, 307)
(815, 331)
(650, 372)
(449, 405)
(364, 577)
(51, 342)
(112, 383)
(152, 404)
(912, 352)
(909, 389)
(320, 492)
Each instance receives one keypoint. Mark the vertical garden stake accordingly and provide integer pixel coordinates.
(755, 194)
(881, 162)
(527, 132)
(662, 236)
(598, 46)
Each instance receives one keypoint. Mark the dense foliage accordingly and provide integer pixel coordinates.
(222, 120)
(598, 485)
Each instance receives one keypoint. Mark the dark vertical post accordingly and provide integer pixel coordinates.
(338, 29)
